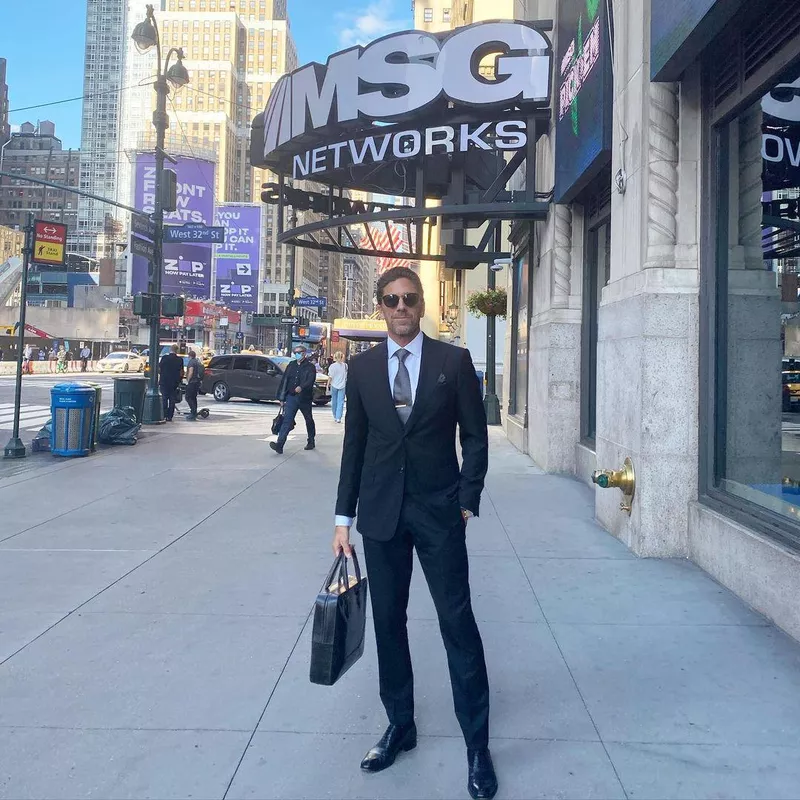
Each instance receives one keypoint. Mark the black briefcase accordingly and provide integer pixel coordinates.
(278, 422)
(340, 618)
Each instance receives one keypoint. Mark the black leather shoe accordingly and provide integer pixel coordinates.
(397, 739)
(310, 445)
(276, 447)
(482, 781)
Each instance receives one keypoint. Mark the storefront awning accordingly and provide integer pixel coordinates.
(360, 330)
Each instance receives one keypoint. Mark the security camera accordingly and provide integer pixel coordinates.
(498, 264)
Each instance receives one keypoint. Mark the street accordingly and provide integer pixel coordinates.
(155, 634)
(35, 408)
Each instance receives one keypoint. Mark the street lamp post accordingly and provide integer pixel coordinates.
(146, 36)
(491, 401)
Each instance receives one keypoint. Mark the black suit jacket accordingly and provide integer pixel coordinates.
(383, 462)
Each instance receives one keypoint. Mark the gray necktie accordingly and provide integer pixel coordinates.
(402, 386)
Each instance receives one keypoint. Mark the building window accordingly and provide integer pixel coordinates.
(520, 328)
(755, 326)
(428, 15)
(596, 275)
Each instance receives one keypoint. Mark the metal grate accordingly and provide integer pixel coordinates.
(70, 431)
(749, 42)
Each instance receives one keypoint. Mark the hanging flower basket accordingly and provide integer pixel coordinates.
(488, 303)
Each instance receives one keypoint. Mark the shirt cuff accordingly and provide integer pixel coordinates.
(346, 521)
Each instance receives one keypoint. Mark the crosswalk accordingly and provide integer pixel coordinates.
(31, 417)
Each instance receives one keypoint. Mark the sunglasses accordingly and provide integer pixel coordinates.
(410, 299)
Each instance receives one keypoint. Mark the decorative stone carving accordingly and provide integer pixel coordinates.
(562, 262)
(662, 188)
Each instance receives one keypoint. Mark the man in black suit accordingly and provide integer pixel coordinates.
(405, 398)
(170, 375)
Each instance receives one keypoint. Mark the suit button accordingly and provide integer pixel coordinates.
(402, 469)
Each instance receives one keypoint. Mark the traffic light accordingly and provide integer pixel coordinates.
(169, 190)
(145, 305)
(173, 306)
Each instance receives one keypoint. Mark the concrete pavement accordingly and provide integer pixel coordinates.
(155, 635)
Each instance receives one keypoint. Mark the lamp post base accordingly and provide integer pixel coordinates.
(492, 406)
(153, 407)
(15, 448)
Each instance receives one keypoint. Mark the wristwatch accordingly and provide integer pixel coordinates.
(466, 513)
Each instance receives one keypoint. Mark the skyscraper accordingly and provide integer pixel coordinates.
(5, 130)
(104, 60)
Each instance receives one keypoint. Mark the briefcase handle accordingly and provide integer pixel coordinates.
(340, 563)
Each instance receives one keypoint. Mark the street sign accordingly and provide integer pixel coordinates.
(143, 248)
(142, 225)
(311, 302)
(197, 232)
(288, 320)
(239, 336)
(49, 242)
(223, 322)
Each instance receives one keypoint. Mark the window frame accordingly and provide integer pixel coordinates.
(713, 308)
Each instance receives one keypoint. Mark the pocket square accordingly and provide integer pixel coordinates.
(442, 379)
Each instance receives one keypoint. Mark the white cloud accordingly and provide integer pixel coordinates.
(363, 25)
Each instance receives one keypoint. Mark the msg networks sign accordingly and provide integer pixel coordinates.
(398, 98)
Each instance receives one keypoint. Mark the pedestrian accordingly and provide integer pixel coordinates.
(53, 358)
(400, 469)
(194, 374)
(170, 375)
(61, 366)
(27, 355)
(86, 354)
(2, 354)
(296, 393)
(42, 355)
(337, 372)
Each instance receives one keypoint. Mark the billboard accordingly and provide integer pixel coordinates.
(584, 99)
(238, 261)
(187, 266)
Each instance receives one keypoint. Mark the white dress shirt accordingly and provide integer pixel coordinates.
(413, 363)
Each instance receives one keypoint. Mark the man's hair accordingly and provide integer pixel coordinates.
(174, 348)
(192, 354)
(395, 274)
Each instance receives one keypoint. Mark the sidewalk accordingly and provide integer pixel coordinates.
(155, 635)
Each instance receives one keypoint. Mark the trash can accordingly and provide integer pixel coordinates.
(130, 392)
(73, 412)
(98, 399)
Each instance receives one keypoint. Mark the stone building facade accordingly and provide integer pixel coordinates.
(653, 315)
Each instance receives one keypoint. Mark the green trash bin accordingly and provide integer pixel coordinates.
(130, 392)
(98, 398)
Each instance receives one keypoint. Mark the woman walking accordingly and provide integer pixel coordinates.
(337, 372)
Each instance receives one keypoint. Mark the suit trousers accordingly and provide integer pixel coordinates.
(443, 556)
(168, 400)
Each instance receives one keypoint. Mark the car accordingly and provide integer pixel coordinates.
(121, 362)
(253, 377)
(791, 391)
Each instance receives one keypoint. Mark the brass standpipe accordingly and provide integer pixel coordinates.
(623, 479)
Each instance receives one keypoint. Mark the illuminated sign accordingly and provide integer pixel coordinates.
(584, 82)
(404, 73)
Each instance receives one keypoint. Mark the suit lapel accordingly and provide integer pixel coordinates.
(429, 371)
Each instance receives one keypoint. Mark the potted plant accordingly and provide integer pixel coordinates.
(488, 303)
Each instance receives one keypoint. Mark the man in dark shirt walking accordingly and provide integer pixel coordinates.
(194, 375)
(296, 394)
(170, 374)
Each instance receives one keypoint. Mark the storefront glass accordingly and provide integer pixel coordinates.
(518, 401)
(757, 438)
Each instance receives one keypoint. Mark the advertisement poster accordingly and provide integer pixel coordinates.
(238, 261)
(583, 104)
(187, 266)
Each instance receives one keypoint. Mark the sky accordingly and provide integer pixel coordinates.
(45, 61)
